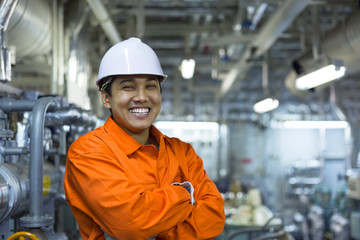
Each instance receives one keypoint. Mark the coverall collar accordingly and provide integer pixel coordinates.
(124, 140)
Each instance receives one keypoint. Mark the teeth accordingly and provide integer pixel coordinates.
(139, 110)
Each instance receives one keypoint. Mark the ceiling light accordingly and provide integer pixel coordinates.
(266, 105)
(320, 76)
(187, 68)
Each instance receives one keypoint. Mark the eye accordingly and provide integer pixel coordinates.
(151, 86)
(127, 87)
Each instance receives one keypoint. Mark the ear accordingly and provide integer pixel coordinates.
(105, 98)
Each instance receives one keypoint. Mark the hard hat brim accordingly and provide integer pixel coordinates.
(161, 78)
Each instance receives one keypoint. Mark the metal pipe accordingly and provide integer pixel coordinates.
(280, 21)
(240, 17)
(334, 106)
(265, 76)
(63, 117)
(73, 116)
(316, 49)
(259, 13)
(5, 63)
(80, 22)
(10, 90)
(55, 40)
(11, 105)
(11, 191)
(344, 42)
(14, 188)
(140, 19)
(104, 18)
(36, 219)
(14, 150)
(6, 10)
(60, 80)
(36, 153)
(57, 77)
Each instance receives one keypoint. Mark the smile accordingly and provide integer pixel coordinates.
(139, 111)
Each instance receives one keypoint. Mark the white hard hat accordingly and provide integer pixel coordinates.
(130, 57)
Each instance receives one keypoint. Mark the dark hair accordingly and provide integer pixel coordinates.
(106, 84)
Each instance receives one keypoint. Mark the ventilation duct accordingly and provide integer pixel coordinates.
(31, 20)
(343, 43)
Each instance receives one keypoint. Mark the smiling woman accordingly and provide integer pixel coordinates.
(126, 178)
(135, 103)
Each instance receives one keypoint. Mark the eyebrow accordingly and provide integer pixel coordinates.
(127, 80)
(133, 80)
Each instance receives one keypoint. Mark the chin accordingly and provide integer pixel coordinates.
(139, 129)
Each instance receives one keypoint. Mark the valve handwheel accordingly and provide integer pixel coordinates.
(22, 236)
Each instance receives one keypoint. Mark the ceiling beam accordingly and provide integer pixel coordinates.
(278, 23)
(105, 20)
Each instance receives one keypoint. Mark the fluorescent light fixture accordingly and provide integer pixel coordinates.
(320, 76)
(266, 105)
(187, 68)
(315, 124)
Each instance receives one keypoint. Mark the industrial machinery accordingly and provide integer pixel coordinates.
(33, 145)
(35, 131)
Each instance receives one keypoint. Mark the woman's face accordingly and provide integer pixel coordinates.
(135, 101)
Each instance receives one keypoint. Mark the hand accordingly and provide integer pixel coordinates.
(189, 187)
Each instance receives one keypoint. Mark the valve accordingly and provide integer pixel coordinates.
(22, 236)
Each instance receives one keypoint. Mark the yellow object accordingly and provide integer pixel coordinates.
(46, 184)
(22, 236)
(235, 186)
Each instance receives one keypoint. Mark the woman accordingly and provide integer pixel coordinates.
(126, 178)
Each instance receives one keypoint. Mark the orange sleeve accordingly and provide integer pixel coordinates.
(97, 185)
(207, 218)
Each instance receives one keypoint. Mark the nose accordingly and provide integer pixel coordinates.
(141, 95)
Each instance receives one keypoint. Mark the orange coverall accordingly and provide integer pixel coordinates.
(115, 184)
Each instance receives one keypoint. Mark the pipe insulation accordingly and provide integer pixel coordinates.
(31, 20)
(342, 43)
